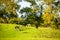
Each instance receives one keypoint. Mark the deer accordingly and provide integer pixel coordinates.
(17, 27)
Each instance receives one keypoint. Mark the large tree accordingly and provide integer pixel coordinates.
(31, 17)
(50, 13)
(8, 9)
(53, 9)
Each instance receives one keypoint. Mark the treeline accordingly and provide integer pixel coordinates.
(41, 13)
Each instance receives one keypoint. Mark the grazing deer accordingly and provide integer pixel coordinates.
(28, 25)
(17, 28)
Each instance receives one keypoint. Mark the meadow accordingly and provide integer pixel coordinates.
(8, 32)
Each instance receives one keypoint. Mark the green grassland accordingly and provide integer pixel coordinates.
(8, 32)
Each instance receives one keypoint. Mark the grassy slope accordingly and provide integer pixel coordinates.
(8, 32)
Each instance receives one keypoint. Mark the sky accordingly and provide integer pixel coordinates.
(24, 4)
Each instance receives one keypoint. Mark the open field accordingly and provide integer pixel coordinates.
(8, 32)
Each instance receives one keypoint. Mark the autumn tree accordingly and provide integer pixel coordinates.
(53, 9)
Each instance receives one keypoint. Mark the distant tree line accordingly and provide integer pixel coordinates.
(41, 13)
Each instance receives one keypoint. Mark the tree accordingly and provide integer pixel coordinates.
(8, 9)
(31, 18)
(9, 6)
(47, 17)
(53, 9)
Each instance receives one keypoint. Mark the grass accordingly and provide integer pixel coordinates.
(8, 32)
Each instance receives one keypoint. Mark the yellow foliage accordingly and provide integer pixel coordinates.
(32, 10)
(49, 1)
(47, 18)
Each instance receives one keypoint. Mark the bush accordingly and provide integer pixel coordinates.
(14, 20)
(2, 20)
